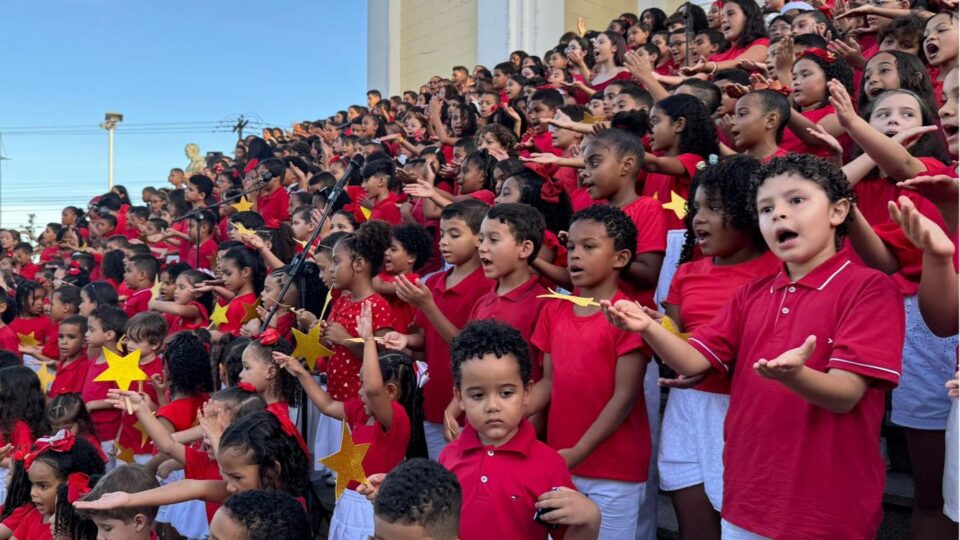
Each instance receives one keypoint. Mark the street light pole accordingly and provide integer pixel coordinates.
(110, 124)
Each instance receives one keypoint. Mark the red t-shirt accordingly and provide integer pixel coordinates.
(662, 187)
(38, 326)
(700, 289)
(30, 271)
(387, 210)
(208, 252)
(402, 312)
(236, 312)
(106, 422)
(793, 469)
(274, 208)
(179, 323)
(620, 76)
(455, 303)
(792, 143)
(502, 483)
(49, 253)
(735, 52)
(648, 215)
(182, 413)
(9, 340)
(387, 447)
(131, 436)
(587, 349)
(483, 195)
(520, 308)
(197, 466)
(70, 377)
(137, 302)
(343, 367)
(16, 517)
(32, 527)
(20, 435)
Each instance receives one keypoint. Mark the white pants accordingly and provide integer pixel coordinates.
(352, 518)
(618, 502)
(729, 531)
(691, 445)
(950, 468)
(435, 441)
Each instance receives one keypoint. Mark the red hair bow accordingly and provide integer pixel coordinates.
(550, 192)
(62, 442)
(823, 54)
(75, 264)
(247, 387)
(825, 9)
(251, 165)
(283, 416)
(78, 485)
(268, 337)
(73, 272)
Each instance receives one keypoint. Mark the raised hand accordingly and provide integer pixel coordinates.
(829, 140)
(628, 315)
(840, 99)
(365, 322)
(940, 187)
(545, 159)
(920, 230)
(414, 293)
(289, 363)
(787, 365)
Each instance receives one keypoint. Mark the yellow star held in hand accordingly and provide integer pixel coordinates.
(591, 119)
(219, 315)
(347, 462)
(243, 205)
(366, 212)
(143, 433)
(309, 347)
(46, 378)
(242, 230)
(29, 340)
(155, 290)
(670, 326)
(123, 370)
(578, 300)
(678, 204)
(250, 312)
(326, 302)
(123, 454)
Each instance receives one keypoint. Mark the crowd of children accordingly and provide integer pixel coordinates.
(755, 208)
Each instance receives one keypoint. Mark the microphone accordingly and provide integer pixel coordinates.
(353, 165)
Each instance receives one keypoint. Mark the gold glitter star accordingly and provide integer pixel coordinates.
(243, 205)
(123, 454)
(678, 204)
(250, 312)
(347, 462)
(143, 433)
(309, 346)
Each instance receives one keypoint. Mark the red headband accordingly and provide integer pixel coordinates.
(268, 337)
(825, 55)
(280, 411)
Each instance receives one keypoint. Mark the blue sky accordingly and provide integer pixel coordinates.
(174, 69)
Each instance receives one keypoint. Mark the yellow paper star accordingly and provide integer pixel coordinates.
(668, 324)
(678, 204)
(143, 433)
(250, 312)
(309, 347)
(347, 462)
(366, 212)
(123, 454)
(242, 230)
(28, 339)
(155, 290)
(326, 302)
(591, 119)
(123, 370)
(243, 205)
(578, 300)
(219, 315)
(46, 377)
(303, 243)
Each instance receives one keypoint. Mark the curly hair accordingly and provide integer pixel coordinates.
(826, 175)
(269, 514)
(421, 492)
(699, 135)
(838, 69)
(501, 134)
(286, 385)
(370, 241)
(259, 436)
(113, 265)
(21, 399)
(485, 162)
(489, 336)
(416, 241)
(725, 185)
(556, 215)
(620, 228)
(188, 366)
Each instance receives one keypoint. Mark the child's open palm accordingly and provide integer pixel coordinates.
(289, 363)
(414, 293)
(788, 364)
(920, 230)
(108, 501)
(840, 99)
(395, 341)
(137, 400)
(627, 315)
(365, 321)
(421, 188)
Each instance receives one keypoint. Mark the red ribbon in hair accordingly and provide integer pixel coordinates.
(268, 337)
(78, 485)
(73, 272)
(283, 416)
(251, 165)
(550, 192)
(247, 387)
(825, 9)
(823, 54)
(62, 442)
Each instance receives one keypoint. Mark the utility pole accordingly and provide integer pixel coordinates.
(238, 127)
(110, 124)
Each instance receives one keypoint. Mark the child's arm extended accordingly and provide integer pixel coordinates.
(159, 430)
(188, 311)
(317, 395)
(214, 491)
(836, 390)
(938, 292)
(384, 288)
(377, 398)
(890, 155)
(99, 405)
(799, 124)
(628, 388)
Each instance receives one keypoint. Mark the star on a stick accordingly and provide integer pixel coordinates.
(243, 205)
(122, 370)
(309, 346)
(347, 462)
(219, 315)
(578, 300)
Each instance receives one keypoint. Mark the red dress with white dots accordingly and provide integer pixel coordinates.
(343, 367)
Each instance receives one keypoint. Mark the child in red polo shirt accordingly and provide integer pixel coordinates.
(206, 224)
(444, 301)
(419, 497)
(380, 181)
(64, 302)
(128, 523)
(144, 332)
(73, 364)
(388, 417)
(543, 106)
(506, 474)
(818, 363)
(690, 461)
(409, 250)
(600, 429)
(140, 275)
(23, 253)
(104, 327)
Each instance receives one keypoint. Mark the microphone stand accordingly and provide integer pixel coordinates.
(195, 214)
(688, 30)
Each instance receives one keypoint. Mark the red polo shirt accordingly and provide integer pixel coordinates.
(700, 289)
(455, 303)
(274, 207)
(793, 469)
(70, 377)
(587, 349)
(519, 308)
(662, 186)
(137, 302)
(501, 484)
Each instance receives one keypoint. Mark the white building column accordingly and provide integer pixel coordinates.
(383, 46)
(504, 26)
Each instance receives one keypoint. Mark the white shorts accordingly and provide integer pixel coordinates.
(951, 470)
(433, 433)
(691, 442)
(729, 531)
(919, 401)
(352, 518)
(4, 478)
(327, 441)
(675, 239)
(618, 502)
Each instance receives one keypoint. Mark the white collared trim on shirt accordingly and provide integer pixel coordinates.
(833, 275)
(713, 354)
(896, 373)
